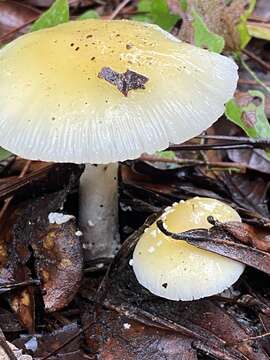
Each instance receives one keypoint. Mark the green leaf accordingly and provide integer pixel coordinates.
(90, 14)
(58, 13)
(242, 25)
(251, 118)
(183, 5)
(157, 12)
(166, 154)
(161, 14)
(144, 6)
(204, 37)
(4, 154)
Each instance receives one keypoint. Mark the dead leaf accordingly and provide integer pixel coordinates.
(248, 192)
(258, 237)
(220, 18)
(57, 249)
(46, 177)
(59, 264)
(115, 337)
(47, 343)
(26, 228)
(14, 15)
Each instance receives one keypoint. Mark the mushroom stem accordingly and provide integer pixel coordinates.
(99, 210)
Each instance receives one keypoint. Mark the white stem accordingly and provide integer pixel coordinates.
(99, 210)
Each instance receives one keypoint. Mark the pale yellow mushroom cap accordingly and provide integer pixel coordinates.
(176, 270)
(54, 107)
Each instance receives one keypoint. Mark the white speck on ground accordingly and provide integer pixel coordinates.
(59, 218)
(32, 344)
(127, 326)
(78, 233)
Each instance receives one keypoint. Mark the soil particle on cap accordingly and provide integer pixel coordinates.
(124, 82)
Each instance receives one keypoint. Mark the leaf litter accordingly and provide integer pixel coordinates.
(53, 305)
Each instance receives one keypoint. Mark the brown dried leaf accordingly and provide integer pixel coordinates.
(46, 177)
(249, 192)
(220, 18)
(59, 264)
(14, 14)
(9, 322)
(23, 304)
(258, 237)
(57, 249)
(47, 343)
(227, 243)
(117, 337)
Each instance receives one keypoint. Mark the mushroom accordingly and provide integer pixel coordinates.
(176, 270)
(99, 92)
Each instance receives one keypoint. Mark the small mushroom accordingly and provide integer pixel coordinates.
(176, 270)
(101, 91)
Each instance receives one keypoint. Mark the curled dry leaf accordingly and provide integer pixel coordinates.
(226, 240)
(57, 250)
(58, 264)
(257, 237)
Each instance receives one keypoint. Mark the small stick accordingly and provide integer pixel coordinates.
(254, 57)
(194, 162)
(119, 8)
(184, 235)
(8, 200)
(251, 82)
(72, 338)
(252, 338)
(10, 286)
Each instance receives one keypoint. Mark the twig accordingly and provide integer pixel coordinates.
(234, 145)
(252, 73)
(72, 338)
(8, 200)
(237, 342)
(10, 286)
(200, 234)
(254, 57)
(194, 162)
(264, 142)
(251, 82)
(119, 8)
(99, 264)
